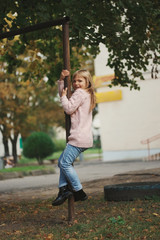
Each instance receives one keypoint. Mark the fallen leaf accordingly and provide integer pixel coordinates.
(67, 236)
(63, 217)
(156, 214)
(17, 232)
(49, 237)
(109, 235)
(141, 210)
(3, 224)
(148, 220)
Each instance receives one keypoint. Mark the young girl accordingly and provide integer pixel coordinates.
(79, 106)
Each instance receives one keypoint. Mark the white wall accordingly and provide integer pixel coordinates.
(126, 122)
(101, 61)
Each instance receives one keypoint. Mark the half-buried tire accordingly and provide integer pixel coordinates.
(131, 191)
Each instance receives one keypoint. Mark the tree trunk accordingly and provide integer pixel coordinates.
(5, 137)
(6, 147)
(14, 147)
(40, 161)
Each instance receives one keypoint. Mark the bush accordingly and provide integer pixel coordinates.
(97, 142)
(60, 144)
(38, 145)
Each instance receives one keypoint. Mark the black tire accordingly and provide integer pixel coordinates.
(131, 191)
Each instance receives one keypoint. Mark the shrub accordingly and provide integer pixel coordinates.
(38, 145)
(60, 144)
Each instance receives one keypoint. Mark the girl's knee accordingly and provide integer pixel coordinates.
(64, 164)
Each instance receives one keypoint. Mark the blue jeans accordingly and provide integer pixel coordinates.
(67, 171)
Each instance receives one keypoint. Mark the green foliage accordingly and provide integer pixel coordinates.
(129, 29)
(38, 145)
(60, 144)
(97, 142)
(117, 220)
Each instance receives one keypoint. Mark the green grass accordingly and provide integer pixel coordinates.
(93, 151)
(56, 155)
(26, 164)
(94, 219)
(25, 160)
(24, 168)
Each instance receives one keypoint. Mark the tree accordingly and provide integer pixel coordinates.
(29, 103)
(25, 106)
(129, 29)
(5, 138)
(38, 145)
(14, 109)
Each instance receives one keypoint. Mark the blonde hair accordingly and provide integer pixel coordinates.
(90, 86)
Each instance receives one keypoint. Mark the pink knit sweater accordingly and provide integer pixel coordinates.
(81, 118)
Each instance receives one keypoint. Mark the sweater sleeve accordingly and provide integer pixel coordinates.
(70, 105)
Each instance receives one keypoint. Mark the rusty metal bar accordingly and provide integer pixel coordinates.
(33, 28)
(151, 139)
(67, 83)
(66, 59)
(148, 150)
(71, 213)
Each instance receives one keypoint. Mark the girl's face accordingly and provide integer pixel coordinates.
(79, 82)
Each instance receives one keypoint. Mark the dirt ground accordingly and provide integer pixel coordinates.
(92, 187)
(29, 214)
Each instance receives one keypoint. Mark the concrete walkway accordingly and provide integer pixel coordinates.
(87, 171)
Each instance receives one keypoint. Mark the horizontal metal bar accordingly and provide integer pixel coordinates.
(33, 28)
(151, 139)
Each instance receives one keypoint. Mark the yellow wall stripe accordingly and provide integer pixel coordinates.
(109, 96)
(102, 81)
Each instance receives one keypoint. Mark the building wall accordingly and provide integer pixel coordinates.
(124, 123)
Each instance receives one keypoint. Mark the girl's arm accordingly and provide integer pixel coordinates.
(64, 74)
(70, 105)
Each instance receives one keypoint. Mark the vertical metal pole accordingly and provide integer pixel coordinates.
(67, 83)
(149, 158)
(66, 60)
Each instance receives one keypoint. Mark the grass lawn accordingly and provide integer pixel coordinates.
(89, 151)
(26, 164)
(24, 168)
(94, 219)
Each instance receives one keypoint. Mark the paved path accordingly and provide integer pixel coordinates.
(87, 171)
